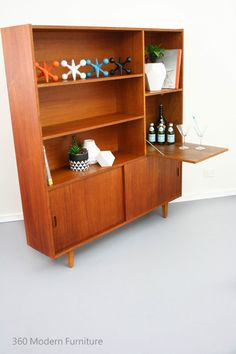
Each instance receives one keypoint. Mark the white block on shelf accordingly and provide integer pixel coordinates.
(105, 158)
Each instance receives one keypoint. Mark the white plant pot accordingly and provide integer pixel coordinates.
(93, 150)
(155, 76)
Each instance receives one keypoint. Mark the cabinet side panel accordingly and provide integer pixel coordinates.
(19, 59)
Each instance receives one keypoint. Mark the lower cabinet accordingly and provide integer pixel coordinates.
(87, 207)
(95, 204)
(150, 182)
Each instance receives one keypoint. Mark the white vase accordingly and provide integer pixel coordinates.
(93, 150)
(155, 76)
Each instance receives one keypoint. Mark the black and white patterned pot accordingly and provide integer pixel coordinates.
(79, 162)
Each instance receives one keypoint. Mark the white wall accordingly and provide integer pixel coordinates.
(210, 77)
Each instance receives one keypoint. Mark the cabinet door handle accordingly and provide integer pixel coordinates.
(54, 221)
(178, 171)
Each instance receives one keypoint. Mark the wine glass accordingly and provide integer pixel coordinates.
(200, 129)
(183, 129)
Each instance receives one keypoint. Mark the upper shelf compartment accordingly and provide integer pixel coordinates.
(73, 109)
(68, 44)
(81, 125)
(167, 40)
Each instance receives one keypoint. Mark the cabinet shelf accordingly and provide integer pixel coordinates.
(64, 175)
(162, 92)
(87, 81)
(190, 155)
(72, 127)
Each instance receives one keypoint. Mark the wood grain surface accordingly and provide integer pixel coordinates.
(191, 155)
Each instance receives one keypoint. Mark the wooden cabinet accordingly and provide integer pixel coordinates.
(113, 110)
(86, 208)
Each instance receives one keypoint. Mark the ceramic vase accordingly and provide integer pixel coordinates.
(93, 150)
(155, 76)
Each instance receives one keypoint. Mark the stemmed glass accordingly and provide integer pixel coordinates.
(200, 130)
(183, 129)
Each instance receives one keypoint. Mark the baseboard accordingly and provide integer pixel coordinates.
(206, 195)
(11, 217)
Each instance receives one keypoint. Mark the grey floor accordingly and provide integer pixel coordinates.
(153, 287)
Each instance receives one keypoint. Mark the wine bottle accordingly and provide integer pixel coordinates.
(161, 118)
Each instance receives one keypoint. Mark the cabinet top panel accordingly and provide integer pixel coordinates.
(69, 28)
(39, 27)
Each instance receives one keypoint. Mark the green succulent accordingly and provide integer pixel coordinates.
(154, 52)
(75, 149)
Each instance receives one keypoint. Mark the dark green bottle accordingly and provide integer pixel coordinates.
(151, 133)
(161, 134)
(170, 134)
(161, 118)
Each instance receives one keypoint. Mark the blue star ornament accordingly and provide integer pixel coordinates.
(97, 67)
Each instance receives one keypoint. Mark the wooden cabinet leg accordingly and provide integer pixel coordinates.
(70, 259)
(165, 210)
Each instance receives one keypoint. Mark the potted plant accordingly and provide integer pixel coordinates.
(154, 68)
(78, 156)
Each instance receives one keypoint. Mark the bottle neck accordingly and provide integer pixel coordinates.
(161, 110)
(161, 118)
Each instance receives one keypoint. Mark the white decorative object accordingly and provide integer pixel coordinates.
(73, 69)
(105, 158)
(93, 150)
(155, 76)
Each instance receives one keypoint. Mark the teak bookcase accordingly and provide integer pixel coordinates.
(115, 111)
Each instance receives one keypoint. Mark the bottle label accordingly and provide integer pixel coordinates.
(161, 138)
(171, 138)
(152, 138)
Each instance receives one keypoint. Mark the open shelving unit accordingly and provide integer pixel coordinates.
(115, 111)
